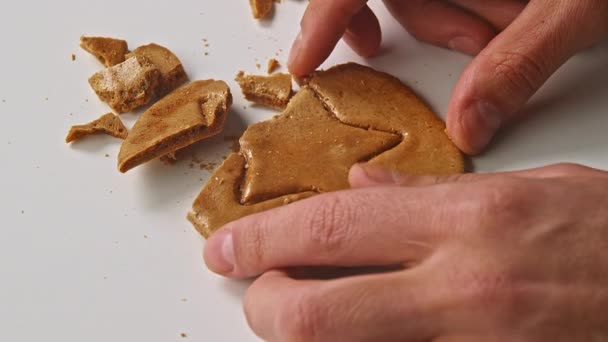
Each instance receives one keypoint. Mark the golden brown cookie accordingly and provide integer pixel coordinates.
(171, 69)
(189, 114)
(347, 114)
(108, 51)
(108, 124)
(128, 85)
(271, 91)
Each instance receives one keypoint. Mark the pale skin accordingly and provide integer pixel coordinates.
(518, 256)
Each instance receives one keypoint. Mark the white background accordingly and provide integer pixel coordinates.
(75, 264)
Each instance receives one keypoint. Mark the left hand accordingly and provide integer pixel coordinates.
(503, 257)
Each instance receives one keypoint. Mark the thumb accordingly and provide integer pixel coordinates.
(366, 175)
(503, 77)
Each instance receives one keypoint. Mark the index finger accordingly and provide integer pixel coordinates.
(322, 26)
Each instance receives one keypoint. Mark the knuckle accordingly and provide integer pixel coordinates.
(567, 169)
(330, 221)
(504, 203)
(301, 319)
(518, 71)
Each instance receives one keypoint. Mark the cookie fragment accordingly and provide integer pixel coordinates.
(272, 91)
(108, 124)
(171, 69)
(187, 115)
(128, 85)
(109, 51)
(273, 65)
(261, 8)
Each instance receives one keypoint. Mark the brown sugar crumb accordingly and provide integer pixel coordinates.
(258, 65)
(209, 166)
(108, 124)
(73, 57)
(109, 51)
(128, 85)
(273, 65)
(272, 91)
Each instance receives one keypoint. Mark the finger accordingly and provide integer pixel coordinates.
(322, 26)
(396, 227)
(443, 24)
(363, 34)
(364, 175)
(500, 13)
(516, 64)
(386, 307)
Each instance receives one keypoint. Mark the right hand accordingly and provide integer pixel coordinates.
(519, 45)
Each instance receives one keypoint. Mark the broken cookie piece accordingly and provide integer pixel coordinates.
(273, 65)
(128, 85)
(109, 51)
(171, 69)
(343, 116)
(108, 124)
(272, 91)
(189, 114)
(261, 8)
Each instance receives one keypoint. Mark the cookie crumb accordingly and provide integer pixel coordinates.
(183, 335)
(107, 155)
(206, 53)
(258, 65)
(73, 57)
(273, 65)
(184, 300)
(145, 236)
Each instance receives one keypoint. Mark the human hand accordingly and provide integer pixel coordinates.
(519, 45)
(501, 257)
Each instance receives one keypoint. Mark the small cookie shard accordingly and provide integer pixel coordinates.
(109, 124)
(363, 97)
(108, 51)
(128, 85)
(273, 65)
(271, 91)
(305, 149)
(261, 8)
(189, 114)
(347, 114)
(171, 69)
(218, 203)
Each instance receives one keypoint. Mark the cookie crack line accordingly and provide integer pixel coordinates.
(332, 112)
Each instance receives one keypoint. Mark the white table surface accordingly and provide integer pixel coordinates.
(75, 263)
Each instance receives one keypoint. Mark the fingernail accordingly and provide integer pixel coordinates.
(219, 253)
(465, 45)
(295, 49)
(482, 119)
